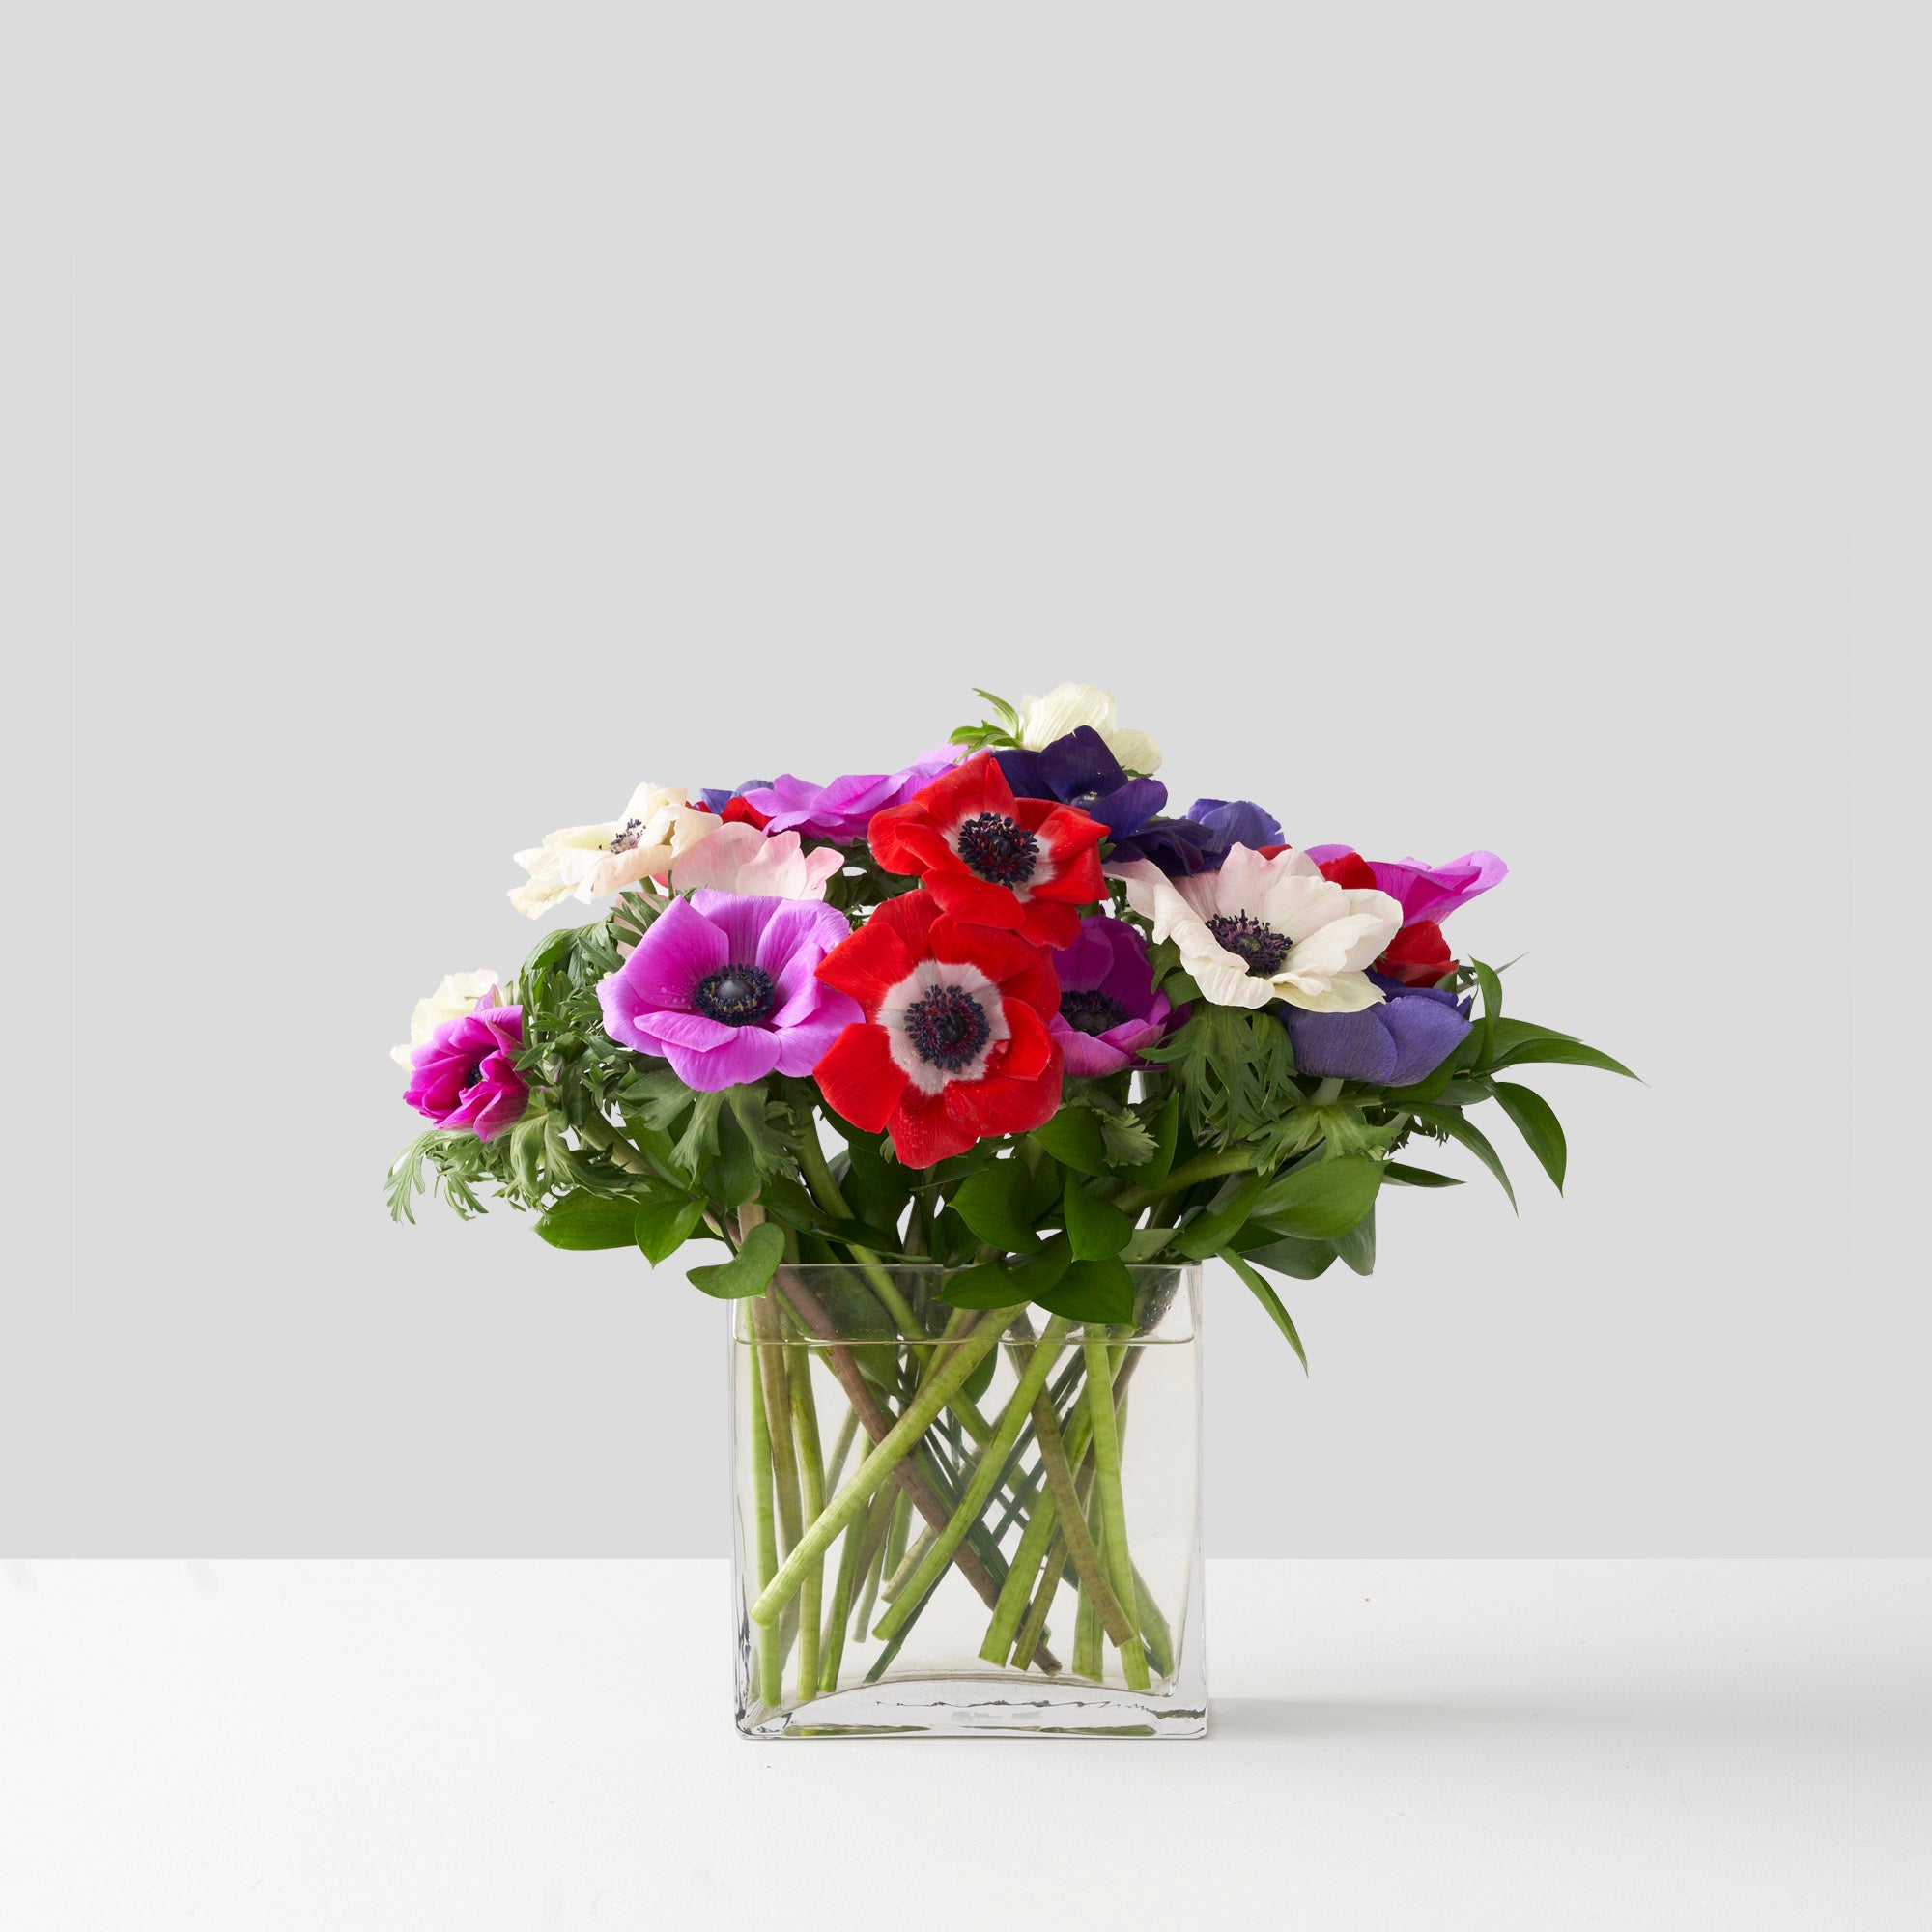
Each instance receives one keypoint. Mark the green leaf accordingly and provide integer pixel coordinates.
(1358, 1248)
(1560, 1053)
(1493, 1008)
(1099, 1290)
(993, 1204)
(1452, 1123)
(661, 1227)
(731, 1175)
(1269, 1300)
(747, 1270)
(1096, 1227)
(1512, 1033)
(1431, 1087)
(1202, 1236)
(1147, 1242)
(1321, 1201)
(784, 1200)
(1127, 1145)
(1166, 1130)
(581, 1222)
(1537, 1122)
(1395, 1174)
(986, 1286)
(1033, 1277)
(1287, 1254)
(1073, 1138)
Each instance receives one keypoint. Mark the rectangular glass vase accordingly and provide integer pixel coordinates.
(903, 1475)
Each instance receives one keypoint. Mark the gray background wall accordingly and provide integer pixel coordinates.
(1482, 426)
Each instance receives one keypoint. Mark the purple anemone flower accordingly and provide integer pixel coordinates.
(1080, 771)
(1232, 822)
(722, 986)
(1402, 1040)
(1425, 891)
(843, 810)
(1108, 1006)
(466, 1076)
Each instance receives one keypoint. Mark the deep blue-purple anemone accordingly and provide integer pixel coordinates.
(1079, 770)
(1403, 1041)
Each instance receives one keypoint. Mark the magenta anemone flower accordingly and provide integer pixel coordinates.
(465, 1075)
(1108, 1006)
(722, 986)
(843, 810)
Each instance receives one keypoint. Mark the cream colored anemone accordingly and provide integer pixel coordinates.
(589, 862)
(457, 998)
(742, 858)
(1068, 706)
(1263, 930)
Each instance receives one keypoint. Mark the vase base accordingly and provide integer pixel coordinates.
(966, 1707)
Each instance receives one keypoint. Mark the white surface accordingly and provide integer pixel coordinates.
(1400, 1744)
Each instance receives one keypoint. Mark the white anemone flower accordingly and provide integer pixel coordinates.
(742, 858)
(590, 861)
(457, 998)
(1263, 930)
(1068, 706)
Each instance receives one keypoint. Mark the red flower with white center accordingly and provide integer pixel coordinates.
(1028, 865)
(954, 1045)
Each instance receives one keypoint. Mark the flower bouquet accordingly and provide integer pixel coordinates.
(964, 1070)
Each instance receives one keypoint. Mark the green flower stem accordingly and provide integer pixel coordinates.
(884, 1458)
(607, 1140)
(970, 1558)
(1088, 1660)
(1156, 1630)
(841, 1447)
(1203, 1167)
(862, 1622)
(980, 1489)
(1094, 1587)
(1034, 1626)
(865, 1539)
(1034, 1544)
(1113, 1504)
(777, 1422)
(811, 1474)
(818, 1177)
(771, 1660)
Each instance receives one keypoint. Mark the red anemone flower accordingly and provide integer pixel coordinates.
(954, 1045)
(1418, 956)
(1026, 863)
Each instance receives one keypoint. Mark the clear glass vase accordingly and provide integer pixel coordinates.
(954, 1522)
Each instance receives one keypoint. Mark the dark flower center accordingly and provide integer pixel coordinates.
(473, 1077)
(946, 1027)
(626, 840)
(1259, 947)
(735, 995)
(1086, 1010)
(998, 849)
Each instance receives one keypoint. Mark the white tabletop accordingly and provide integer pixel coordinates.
(1422, 1746)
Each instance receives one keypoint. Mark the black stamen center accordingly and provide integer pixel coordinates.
(946, 1027)
(626, 840)
(1086, 1010)
(1261, 947)
(473, 1078)
(737, 995)
(998, 849)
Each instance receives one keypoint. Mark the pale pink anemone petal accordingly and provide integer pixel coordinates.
(655, 1001)
(739, 858)
(1424, 891)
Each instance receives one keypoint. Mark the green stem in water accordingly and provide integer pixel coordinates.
(811, 1474)
(841, 1447)
(1113, 1504)
(771, 1660)
(886, 1456)
(1034, 1626)
(980, 1489)
(1087, 1655)
(895, 1509)
(864, 1536)
(1094, 1587)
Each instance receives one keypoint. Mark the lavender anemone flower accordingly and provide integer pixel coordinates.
(722, 986)
(717, 798)
(1108, 1006)
(843, 810)
(1079, 770)
(466, 1076)
(1402, 1040)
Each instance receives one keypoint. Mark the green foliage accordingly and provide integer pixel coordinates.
(1004, 733)
(1321, 1201)
(1449, 1124)
(1075, 1138)
(1099, 1290)
(1096, 1229)
(581, 1221)
(661, 1227)
(1537, 1122)
(748, 1271)
(1269, 1300)
(993, 1204)
(1233, 1071)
